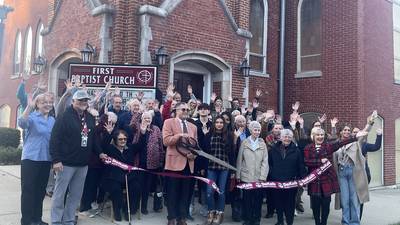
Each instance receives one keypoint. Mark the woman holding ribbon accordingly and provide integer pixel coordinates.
(286, 164)
(320, 190)
(114, 177)
(252, 166)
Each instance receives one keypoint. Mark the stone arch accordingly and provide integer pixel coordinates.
(215, 70)
(59, 68)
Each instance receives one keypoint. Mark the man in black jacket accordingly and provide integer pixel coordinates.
(72, 140)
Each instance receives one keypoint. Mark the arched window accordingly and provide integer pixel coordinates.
(309, 37)
(5, 113)
(39, 49)
(28, 51)
(17, 53)
(258, 28)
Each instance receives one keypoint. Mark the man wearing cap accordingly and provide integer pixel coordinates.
(71, 142)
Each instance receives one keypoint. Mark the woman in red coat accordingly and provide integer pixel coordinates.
(320, 190)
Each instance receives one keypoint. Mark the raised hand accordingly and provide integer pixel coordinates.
(361, 133)
(230, 99)
(190, 89)
(213, 97)
(258, 93)
(205, 130)
(296, 106)
(117, 91)
(278, 119)
(373, 116)
(322, 119)
(334, 121)
(256, 104)
(68, 84)
(42, 85)
(140, 95)
(31, 102)
(108, 86)
(270, 114)
(109, 126)
(243, 109)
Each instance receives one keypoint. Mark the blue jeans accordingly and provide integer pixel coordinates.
(348, 196)
(219, 177)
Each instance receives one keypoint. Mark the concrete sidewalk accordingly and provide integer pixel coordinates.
(383, 209)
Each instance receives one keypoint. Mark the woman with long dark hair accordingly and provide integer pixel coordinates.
(221, 145)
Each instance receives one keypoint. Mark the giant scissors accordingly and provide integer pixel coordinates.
(191, 144)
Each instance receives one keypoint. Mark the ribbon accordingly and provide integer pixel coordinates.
(289, 184)
(111, 161)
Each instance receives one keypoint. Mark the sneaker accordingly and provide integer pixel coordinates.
(95, 206)
(298, 211)
(85, 213)
(295, 212)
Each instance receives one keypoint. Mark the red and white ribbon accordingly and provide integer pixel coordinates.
(111, 161)
(289, 184)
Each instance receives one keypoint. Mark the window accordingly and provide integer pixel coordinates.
(258, 28)
(5, 113)
(39, 50)
(309, 36)
(28, 51)
(396, 39)
(17, 53)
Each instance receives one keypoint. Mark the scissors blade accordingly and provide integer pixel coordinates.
(215, 159)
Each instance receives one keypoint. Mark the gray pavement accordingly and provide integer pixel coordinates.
(383, 209)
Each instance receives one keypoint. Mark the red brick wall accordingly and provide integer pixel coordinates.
(336, 92)
(190, 26)
(380, 92)
(26, 13)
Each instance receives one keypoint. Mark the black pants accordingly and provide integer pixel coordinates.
(115, 188)
(34, 177)
(91, 188)
(178, 192)
(320, 208)
(148, 183)
(252, 203)
(285, 200)
(270, 201)
(236, 199)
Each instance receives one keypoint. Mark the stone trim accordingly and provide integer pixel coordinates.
(145, 11)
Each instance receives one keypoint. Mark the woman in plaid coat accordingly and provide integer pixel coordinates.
(320, 190)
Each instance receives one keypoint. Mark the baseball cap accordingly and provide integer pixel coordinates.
(80, 95)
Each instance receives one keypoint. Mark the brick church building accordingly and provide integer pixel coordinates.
(336, 57)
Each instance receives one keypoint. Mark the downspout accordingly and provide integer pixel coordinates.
(282, 58)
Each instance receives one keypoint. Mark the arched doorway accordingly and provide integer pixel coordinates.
(205, 71)
(375, 159)
(59, 70)
(5, 114)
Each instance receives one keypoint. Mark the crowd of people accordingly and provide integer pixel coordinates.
(69, 141)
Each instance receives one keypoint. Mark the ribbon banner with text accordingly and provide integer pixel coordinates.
(114, 162)
(289, 184)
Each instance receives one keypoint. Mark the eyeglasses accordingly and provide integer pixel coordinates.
(122, 139)
(184, 109)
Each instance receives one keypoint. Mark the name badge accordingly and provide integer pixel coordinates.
(84, 141)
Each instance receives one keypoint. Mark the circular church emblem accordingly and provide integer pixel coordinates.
(144, 76)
